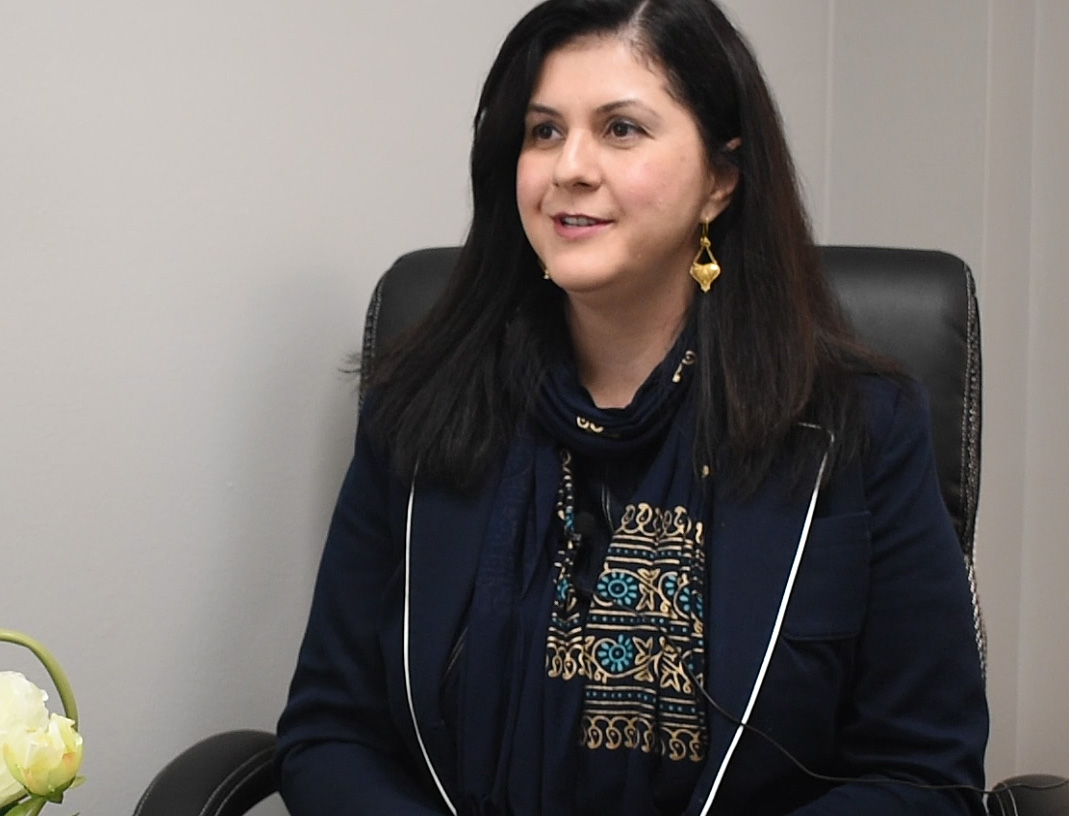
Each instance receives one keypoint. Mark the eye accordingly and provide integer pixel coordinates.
(623, 129)
(542, 131)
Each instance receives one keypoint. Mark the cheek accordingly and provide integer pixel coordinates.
(529, 185)
(530, 191)
(665, 185)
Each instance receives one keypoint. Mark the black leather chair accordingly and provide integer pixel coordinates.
(918, 307)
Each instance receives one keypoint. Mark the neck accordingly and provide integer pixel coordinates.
(616, 349)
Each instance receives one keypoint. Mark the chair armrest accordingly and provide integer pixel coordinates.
(223, 775)
(1010, 799)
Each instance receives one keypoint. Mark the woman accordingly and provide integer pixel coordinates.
(608, 502)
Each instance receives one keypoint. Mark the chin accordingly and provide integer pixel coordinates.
(575, 280)
(593, 270)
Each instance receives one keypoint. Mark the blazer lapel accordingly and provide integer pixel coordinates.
(447, 539)
(752, 546)
(442, 568)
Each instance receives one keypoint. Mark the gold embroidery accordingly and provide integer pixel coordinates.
(641, 642)
(688, 359)
(623, 731)
(587, 425)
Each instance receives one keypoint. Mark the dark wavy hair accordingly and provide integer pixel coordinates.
(773, 347)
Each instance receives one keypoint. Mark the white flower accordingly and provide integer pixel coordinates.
(22, 704)
(10, 789)
(45, 761)
(22, 708)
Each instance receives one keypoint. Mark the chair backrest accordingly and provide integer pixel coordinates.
(917, 307)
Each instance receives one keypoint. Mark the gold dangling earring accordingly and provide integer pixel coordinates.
(705, 273)
(545, 271)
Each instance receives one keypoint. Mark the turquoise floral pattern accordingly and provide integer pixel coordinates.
(619, 587)
(617, 656)
(639, 647)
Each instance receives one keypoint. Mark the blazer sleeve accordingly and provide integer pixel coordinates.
(918, 710)
(339, 749)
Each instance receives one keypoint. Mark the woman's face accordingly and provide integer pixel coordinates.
(612, 180)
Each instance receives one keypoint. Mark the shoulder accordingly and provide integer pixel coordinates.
(898, 465)
(893, 406)
(893, 442)
(373, 443)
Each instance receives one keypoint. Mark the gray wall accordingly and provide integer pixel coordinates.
(196, 199)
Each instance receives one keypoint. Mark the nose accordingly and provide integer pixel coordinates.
(577, 162)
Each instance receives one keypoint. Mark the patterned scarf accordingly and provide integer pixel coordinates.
(620, 668)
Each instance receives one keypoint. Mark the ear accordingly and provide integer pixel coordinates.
(722, 183)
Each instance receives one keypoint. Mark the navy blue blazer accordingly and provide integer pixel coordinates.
(875, 673)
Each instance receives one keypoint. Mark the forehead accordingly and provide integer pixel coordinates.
(593, 66)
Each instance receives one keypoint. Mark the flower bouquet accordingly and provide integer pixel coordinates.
(41, 752)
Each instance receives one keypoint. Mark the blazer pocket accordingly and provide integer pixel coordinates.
(831, 588)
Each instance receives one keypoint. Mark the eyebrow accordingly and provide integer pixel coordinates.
(608, 107)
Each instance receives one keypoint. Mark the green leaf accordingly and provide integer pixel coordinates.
(31, 807)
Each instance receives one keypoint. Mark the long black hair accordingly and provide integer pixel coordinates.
(773, 348)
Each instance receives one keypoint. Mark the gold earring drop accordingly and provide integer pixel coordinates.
(545, 271)
(705, 273)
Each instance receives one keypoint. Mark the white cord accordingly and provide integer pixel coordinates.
(408, 669)
(772, 639)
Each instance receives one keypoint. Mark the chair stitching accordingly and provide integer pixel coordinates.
(1013, 801)
(240, 772)
(978, 621)
(963, 453)
(970, 439)
(971, 430)
(155, 782)
(145, 796)
(371, 336)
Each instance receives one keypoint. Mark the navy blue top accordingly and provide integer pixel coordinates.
(875, 675)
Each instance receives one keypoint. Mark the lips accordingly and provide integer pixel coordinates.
(578, 220)
(578, 227)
